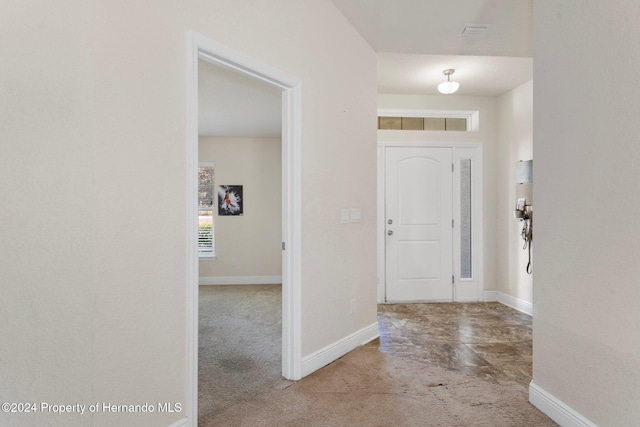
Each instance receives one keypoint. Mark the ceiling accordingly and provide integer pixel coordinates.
(415, 40)
(232, 104)
(401, 73)
(432, 27)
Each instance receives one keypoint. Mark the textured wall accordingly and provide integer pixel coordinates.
(254, 238)
(586, 348)
(92, 166)
(515, 139)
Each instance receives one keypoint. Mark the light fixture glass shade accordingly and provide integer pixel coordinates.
(448, 87)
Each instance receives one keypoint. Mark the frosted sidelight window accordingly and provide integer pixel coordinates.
(465, 219)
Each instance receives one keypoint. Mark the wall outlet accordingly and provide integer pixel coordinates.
(352, 307)
(234, 262)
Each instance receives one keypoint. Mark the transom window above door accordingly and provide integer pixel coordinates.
(428, 120)
(422, 123)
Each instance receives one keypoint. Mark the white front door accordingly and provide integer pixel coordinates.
(419, 218)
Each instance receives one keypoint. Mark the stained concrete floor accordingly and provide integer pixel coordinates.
(488, 341)
(433, 365)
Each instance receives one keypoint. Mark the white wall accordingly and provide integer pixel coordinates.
(92, 166)
(586, 346)
(487, 135)
(515, 140)
(253, 239)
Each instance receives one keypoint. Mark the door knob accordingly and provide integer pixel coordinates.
(390, 232)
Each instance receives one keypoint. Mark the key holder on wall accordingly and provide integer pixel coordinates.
(524, 204)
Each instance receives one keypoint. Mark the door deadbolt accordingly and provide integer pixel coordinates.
(390, 221)
(390, 232)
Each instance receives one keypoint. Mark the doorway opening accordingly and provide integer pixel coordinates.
(203, 49)
(239, 230)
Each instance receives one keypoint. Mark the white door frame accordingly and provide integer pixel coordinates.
(200, 47)
(464, 290)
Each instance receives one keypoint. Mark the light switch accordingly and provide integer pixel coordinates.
(355, 214)
(344, 216)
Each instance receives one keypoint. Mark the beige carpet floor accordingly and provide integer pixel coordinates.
(239, 347)
(375, 385)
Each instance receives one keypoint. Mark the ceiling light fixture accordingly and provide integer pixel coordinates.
(448, 87)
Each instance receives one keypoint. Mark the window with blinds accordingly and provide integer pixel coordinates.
(206, 197)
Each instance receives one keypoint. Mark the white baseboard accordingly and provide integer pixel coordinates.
(555, 409)
(332, 352)
(180, 423)
(508, 300)
(241, 280)
(470, 299)
(490, 296)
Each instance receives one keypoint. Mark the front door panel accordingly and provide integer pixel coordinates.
(418, 205)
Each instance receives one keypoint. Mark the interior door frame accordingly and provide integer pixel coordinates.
(464, 290)
(201, 47)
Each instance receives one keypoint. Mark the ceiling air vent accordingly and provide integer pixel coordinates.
(474, 30)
